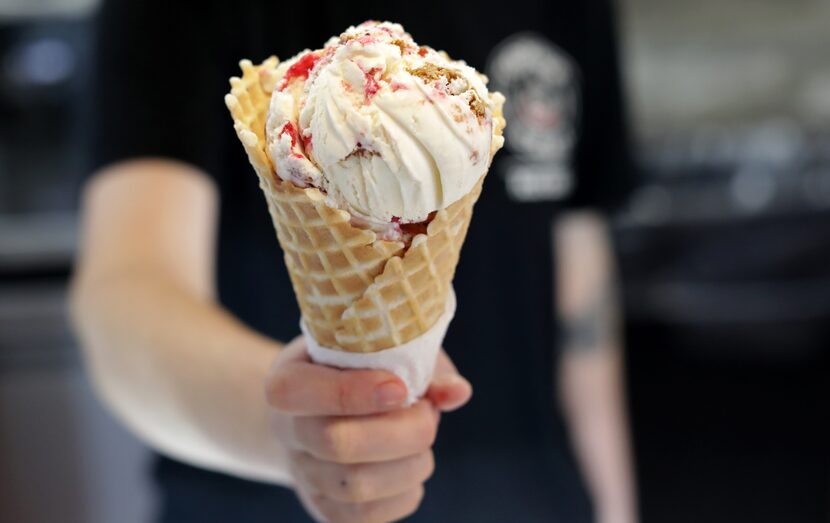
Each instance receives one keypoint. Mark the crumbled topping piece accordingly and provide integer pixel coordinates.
(431, 72)
(478, 107)
(401, 44)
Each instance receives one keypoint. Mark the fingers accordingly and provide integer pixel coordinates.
(297, 386)
(380, 511)
(364, 482)
(448, 390)
(358, 439)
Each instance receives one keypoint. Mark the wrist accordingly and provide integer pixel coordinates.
(228, 410)
(616, 511)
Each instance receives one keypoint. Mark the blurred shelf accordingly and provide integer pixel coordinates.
(32, 243)
(27, 9)
(34, 331)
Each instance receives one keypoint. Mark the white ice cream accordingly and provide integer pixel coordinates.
(391, 131)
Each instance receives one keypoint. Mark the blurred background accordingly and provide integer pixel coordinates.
(726, 258)
(725, 254)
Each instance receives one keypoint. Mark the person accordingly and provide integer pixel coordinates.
(186, 313)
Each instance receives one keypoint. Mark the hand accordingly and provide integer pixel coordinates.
(355, 453)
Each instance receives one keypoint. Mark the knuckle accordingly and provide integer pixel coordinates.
(429, 468)
(327, 511)
(337, 441)
(316, 506)
(355, 485)
(303, 470)
(413, 502)
(284, 427)
(299, 431)
(359, 513)
(296, 465)
(426, 430)
(278, 390)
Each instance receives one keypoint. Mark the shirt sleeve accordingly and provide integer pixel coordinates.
(158, 83)
(604, 172)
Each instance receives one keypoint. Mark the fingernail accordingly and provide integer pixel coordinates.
(389, 394)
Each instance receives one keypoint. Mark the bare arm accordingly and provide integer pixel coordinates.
(197, 385)
(179, 370)
(591, 380)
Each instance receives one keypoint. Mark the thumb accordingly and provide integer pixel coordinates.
(448, 390)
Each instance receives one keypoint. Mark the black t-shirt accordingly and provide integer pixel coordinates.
(163, 68)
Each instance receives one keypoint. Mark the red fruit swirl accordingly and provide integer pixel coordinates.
(291, 131)
(300, 69)
(372, 86)
(306, 143)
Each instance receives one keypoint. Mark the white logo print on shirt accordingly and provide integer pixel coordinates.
(541, 84)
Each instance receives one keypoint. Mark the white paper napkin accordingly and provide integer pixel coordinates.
(413, 362)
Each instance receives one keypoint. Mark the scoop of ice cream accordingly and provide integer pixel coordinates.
(389, 130)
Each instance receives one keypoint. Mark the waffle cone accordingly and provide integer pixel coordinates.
(356, 293)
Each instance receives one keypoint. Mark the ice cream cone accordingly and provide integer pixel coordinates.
(356, 293)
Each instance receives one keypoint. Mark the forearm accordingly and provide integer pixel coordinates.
(180, 371)
(591, 367)
(593, 402)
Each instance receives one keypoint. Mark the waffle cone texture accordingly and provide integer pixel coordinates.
(356, 293)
